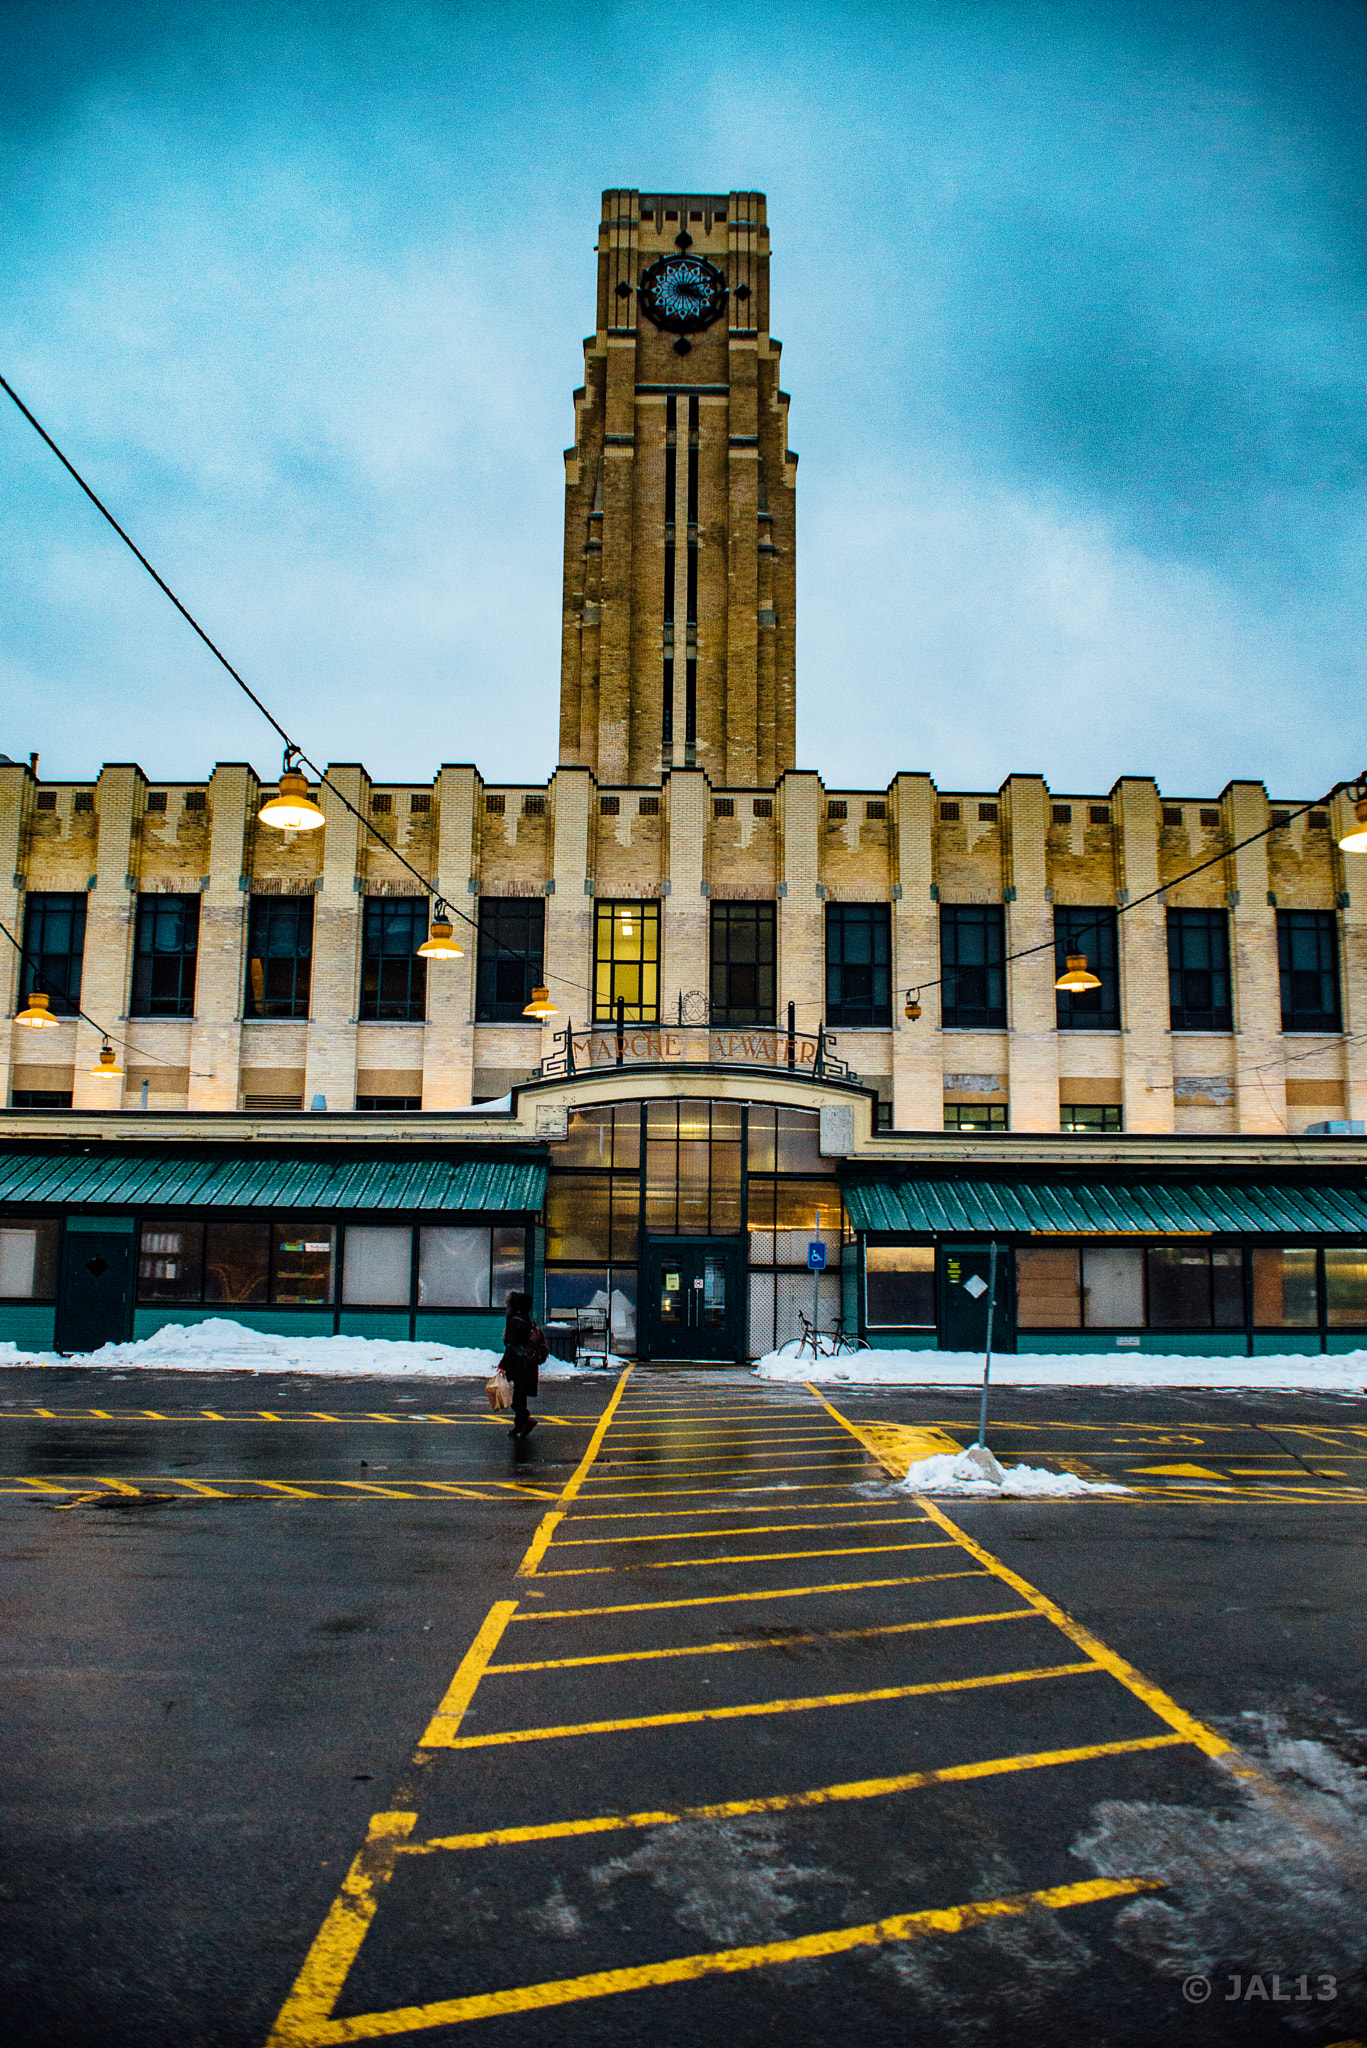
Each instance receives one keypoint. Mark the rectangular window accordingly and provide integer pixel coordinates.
(785, 1141)
(858, 970)
(279, 956)
(1285, 1292)
(1191, 1287)
(1198, 971)
(237, 1259)
(388, 1102)
(1091, 933)
(1308, 954)
(626, 962)
(377, 1265)
(28, 1259)
(470, 1265)
(1048, 1287)
(171, 1262)
(164, 960)
(975, 1116)
(972, 943)
(512, 946)
(1345, 1286)
(41, 1098)
(1113, 1287)
(54, 944)
(393, 977)
(246, 1265)
(693, 1169)
(301, 1264)
(744, 944)
(899, 1286)
(1090, 1116)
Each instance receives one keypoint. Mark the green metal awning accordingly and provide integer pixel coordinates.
(154, 1179)
(1119, 1206)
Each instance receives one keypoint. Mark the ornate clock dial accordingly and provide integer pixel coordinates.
(683, 294)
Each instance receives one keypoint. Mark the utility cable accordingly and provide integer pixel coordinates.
(110, 1038)
(292, 747)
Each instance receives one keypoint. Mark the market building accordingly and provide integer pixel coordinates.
(316, 1125)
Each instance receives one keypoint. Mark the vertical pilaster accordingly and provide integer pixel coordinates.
(1146, 1041)
(216, 1037)
(330, 1059)
(742, 610)
(1351, 873)
(800, 808)
(16, 796)
(1260, 1095)
(569, 907)
(120, 797)
(686, 965)
(917, 1048)
(1031, 1010)
(448, 1045)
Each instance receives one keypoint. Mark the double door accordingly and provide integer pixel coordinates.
(693, 1299)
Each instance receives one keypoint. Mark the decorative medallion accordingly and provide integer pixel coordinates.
(683, 294)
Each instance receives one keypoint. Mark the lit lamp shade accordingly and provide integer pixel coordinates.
(107, 1064)
(1077, 975)
(292, 809)
(1356, 840)
(541, 1004)
(38, 1016)
(440, 943)
(913, 1008)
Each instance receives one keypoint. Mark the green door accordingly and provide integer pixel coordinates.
(964, 1274)
(691, 1299)
(95, 1303)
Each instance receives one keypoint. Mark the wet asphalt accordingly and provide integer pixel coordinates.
(227, 1630)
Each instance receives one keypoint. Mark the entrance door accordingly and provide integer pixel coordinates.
(94, 1306)
(964, 1270)
(691, 1299)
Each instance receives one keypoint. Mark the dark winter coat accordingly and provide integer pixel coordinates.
(517, 1337)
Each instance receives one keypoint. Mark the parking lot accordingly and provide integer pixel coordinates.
(333, 1720)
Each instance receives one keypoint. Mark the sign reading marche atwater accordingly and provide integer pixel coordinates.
(601, 1048)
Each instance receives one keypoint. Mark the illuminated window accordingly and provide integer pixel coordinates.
(626, 956)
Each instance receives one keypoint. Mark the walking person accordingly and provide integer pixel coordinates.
(520, 1361)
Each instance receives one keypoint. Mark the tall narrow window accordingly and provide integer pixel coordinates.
(1092, 933)
(1308, 953)
(972, 944)
(164, 962)
(691, 625)
(393, 978)
(1198, 970)
(54, 944)
(626, 962)
(858, 973)
(279, 956)
(511, 949)
(743, 948)
(671, 484)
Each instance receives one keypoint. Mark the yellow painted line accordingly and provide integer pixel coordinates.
(118, 1485)
(44, 1485)
(717, 1492)
(442, 1727)
(198, 1486)
(744, 1475)
(796, 1463)
(730, 1599)
(837, 1635)
(103, 1414)
(895, 1445)
(152, 1412)
(319, 1984)
(279, 1486)
(767, 1507)
(1177, 1471)
(680, 1564)
(314, 1415)
(369, 1486)
(759, 1709)
(212, 1415)
(763, 1529)
(551, 1521)
(688, 1969)
(51, 1413)
(789, 1802)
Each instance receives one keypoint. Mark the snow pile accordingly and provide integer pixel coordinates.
(976, 1471)
(1341, 1373)
(218, 1345)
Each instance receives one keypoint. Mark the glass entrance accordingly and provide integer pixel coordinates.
(692, 1299)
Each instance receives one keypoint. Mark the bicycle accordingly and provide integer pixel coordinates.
(834, 1343)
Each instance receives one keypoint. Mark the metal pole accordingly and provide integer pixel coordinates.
(621, 1028)
(819, 1070)
(792, 1035)
(569, 1045)
(987, 1358)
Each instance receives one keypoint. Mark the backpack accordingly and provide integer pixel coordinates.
(538, 1350)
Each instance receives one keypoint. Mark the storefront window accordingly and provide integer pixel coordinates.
(28, 1260)
(302, 1262)
(1345, 1285)
(1285, 1295)
(507, 1261)
(453, 1266)
(1048, 1288)
(377, 1266)
(171, 1262)
(1191, 1287)
(597, 1297)
(1113, 1287)
(237, 1263)
(899, 1286)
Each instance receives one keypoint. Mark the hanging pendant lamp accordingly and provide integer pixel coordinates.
(107, 1064)
(38, 1016)
(541, 1004)
(440, 943)
(1356, 840)
(1077, 976)
(292, 809)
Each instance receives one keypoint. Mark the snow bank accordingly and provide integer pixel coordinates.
(218, 1345)
(977, 1472)
(1342, 1373)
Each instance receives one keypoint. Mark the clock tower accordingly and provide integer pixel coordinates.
(679, 599)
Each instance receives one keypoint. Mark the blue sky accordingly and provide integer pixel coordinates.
(1073, 312)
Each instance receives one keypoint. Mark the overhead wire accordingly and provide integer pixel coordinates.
(109, 1037)
(292, 746)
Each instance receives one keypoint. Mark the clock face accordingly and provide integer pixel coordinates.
(683, 294)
